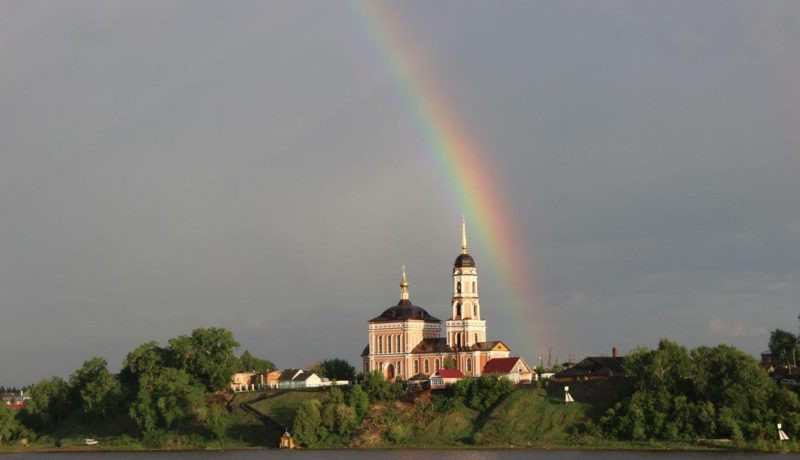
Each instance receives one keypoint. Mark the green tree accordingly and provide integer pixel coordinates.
(249, 363)
(336, 395)
(380, 389)
(50, 402)
(449, 363)
(328, 417)
(144, 362)
(345, 419)
(98, 389)
(10, 426)
(170, 401)
(482, 393)
(708, 392)
(208, 355)
(218, 421)
(782, 345)
(337, 369)
(307, 423)
(359, 401)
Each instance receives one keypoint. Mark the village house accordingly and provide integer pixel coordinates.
(419, 381)
(297, 379)
(270, 379)
(593, 368)
(445, 377)
(244, 381)
(14, 401)
(405, 340)
(513, 368)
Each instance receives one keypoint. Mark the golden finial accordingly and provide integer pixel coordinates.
(463, 234)
(404, 285)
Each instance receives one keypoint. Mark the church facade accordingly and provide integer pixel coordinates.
(405, 340)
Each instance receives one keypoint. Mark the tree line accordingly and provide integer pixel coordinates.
(704, 393)
(159, 388)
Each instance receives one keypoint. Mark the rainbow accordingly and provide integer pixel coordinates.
(446, 140)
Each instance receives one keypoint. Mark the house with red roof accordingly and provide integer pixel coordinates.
(445, 377)
(513, 368)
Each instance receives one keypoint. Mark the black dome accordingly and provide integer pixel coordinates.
(464, 260)
(405, 310)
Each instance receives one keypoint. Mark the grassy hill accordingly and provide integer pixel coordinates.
(527, 417)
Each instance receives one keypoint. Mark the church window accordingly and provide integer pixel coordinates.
(380, 344)
(427, 367)
(436, 365)
(469, 364)
(458, 310)
(473, 287)
(388, 344)
(458, 339)
(476, 337)
(475, 310)
(458, 287)
(416, 367)
(397, 349)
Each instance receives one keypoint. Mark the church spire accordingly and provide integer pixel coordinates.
(404, 285)
(463, 235)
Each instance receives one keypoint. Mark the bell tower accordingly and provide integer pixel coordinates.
(465, 327)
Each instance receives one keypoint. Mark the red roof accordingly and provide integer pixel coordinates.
(501, 365)
(450, 374)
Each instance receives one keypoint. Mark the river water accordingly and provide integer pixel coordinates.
(392, 455)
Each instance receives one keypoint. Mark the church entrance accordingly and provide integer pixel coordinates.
(390, 372)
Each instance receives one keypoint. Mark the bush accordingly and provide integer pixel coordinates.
(307, 423)
(380, 389)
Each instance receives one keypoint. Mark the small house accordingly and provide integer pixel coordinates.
(592, 368)
(244, 381)
(445, 377)
(271, 379)
(513, 368)
(419, 381)
(295, 379)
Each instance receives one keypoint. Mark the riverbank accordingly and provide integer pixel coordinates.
(527, 419)
(609, 446)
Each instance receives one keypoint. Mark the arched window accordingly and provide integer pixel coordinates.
(473, 287)
(458, 309)
(458, 339)
(469, 364)
(436, 365)
(416, 367)
(458, 287)
(475, 310)
(388, 344)
(380, 344)
(427, 367)
(398, 344)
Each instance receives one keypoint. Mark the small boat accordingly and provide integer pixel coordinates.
(90, 442)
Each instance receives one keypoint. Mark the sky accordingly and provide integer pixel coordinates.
(170, 165)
